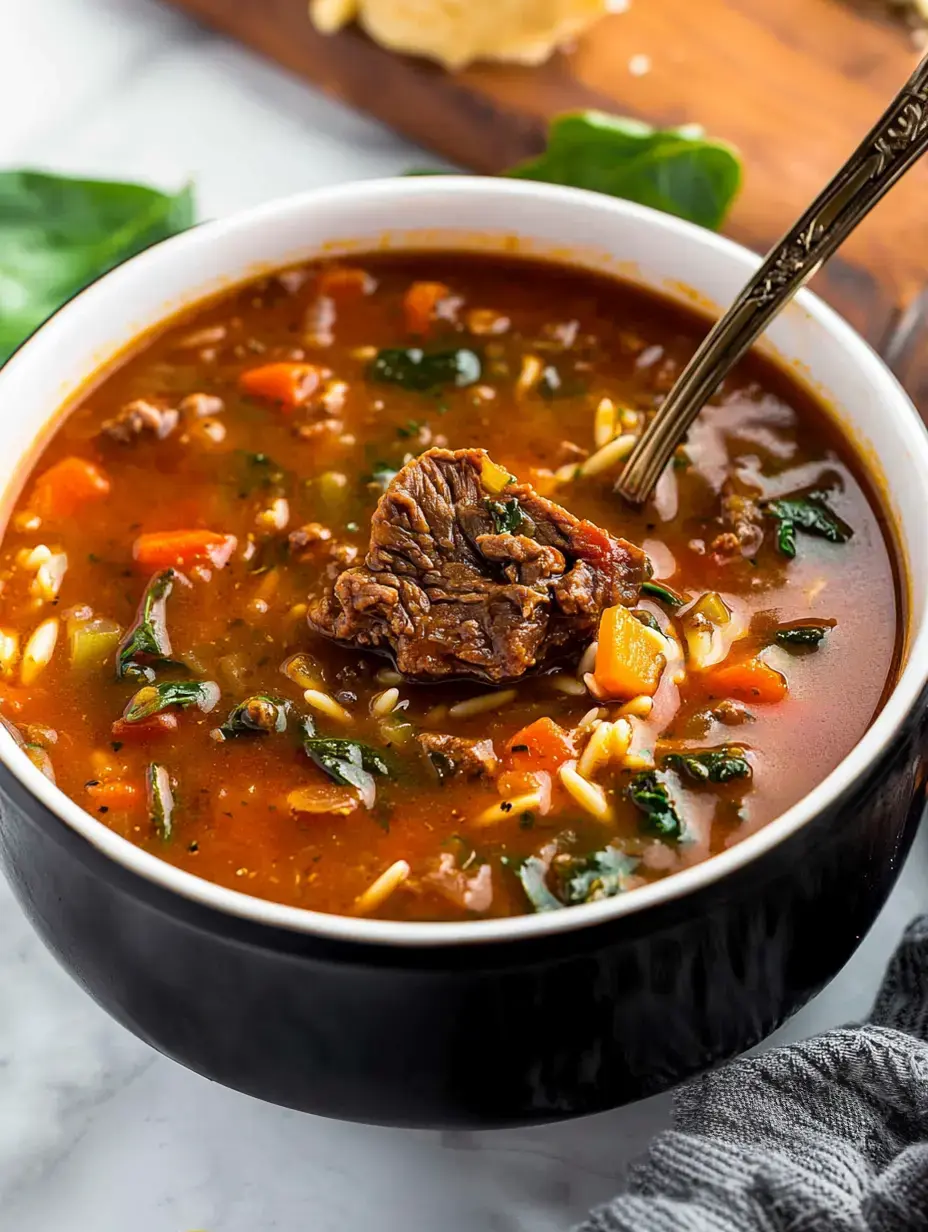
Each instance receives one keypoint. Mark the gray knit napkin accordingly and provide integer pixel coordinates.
(830, 1135)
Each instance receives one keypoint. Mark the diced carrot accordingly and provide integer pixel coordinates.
(61, 490)
(542, 745)
(629, 661)
(183, 548)
(289, 385)
(115, 794)
(750, 680)
(146, 729)
(420, 302)
(345, 282)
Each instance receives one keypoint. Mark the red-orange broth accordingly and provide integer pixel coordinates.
(313, 447)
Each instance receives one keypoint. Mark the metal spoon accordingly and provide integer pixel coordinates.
(898, 140)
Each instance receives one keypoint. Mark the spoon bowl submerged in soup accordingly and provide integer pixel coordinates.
(324, 594)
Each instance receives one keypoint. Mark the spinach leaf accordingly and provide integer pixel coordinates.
(553, 384)
(674, 170)
(658, 591)
(649, 792)
(260, 473)
(58, 234)
(425, 371)
(532, 872)
(160, 800)
(505, 515)
(442, 764)
(346, 761)
(808, 634)
(146, 643)
(153, 698)
(711, 765)
(586, 879)
(811, 514)
(258, 713)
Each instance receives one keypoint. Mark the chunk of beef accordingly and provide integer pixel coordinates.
(140, 417)
(452, 755)
(459, 581)
(744, 531)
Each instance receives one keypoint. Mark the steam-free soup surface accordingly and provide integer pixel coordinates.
(229, 470)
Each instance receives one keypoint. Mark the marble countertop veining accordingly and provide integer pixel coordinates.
(97, 1132)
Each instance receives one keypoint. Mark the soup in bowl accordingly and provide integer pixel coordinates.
(351, 715)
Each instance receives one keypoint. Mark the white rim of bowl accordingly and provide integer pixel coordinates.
(412, 934)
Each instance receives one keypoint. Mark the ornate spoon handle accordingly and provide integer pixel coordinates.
(898, 139)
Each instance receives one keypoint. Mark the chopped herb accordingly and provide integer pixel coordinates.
(425, 372)
(382, 475)
(505, 515)
(552, 384)
(115, 745)
(526, 820)
(260, 473)
(347, 762)
(586, 879)
(649, 793)
(811, 514)
(146, 644)
(153, 698)
(808, 634)
(711, 765)
(412, 427)
(258, 713)
(646, 618)
(160, 800)
(352, 527)
(657, 590)
(519, 748)
(532, 873)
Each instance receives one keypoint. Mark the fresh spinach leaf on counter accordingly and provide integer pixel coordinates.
(711, 765)
(676, 170)
(58, 234)
(425, 371)
(811, 514)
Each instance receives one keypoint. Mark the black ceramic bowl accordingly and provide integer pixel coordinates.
(491, 1022)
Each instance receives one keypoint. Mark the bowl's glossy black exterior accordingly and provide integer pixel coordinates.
(475, 1035)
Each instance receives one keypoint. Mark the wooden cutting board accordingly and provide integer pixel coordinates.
(794, 84)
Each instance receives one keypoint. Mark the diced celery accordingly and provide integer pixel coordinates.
(92, 642)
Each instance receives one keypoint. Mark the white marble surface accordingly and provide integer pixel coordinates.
(97, 1133)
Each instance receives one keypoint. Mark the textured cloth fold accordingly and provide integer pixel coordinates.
(829, 1135)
